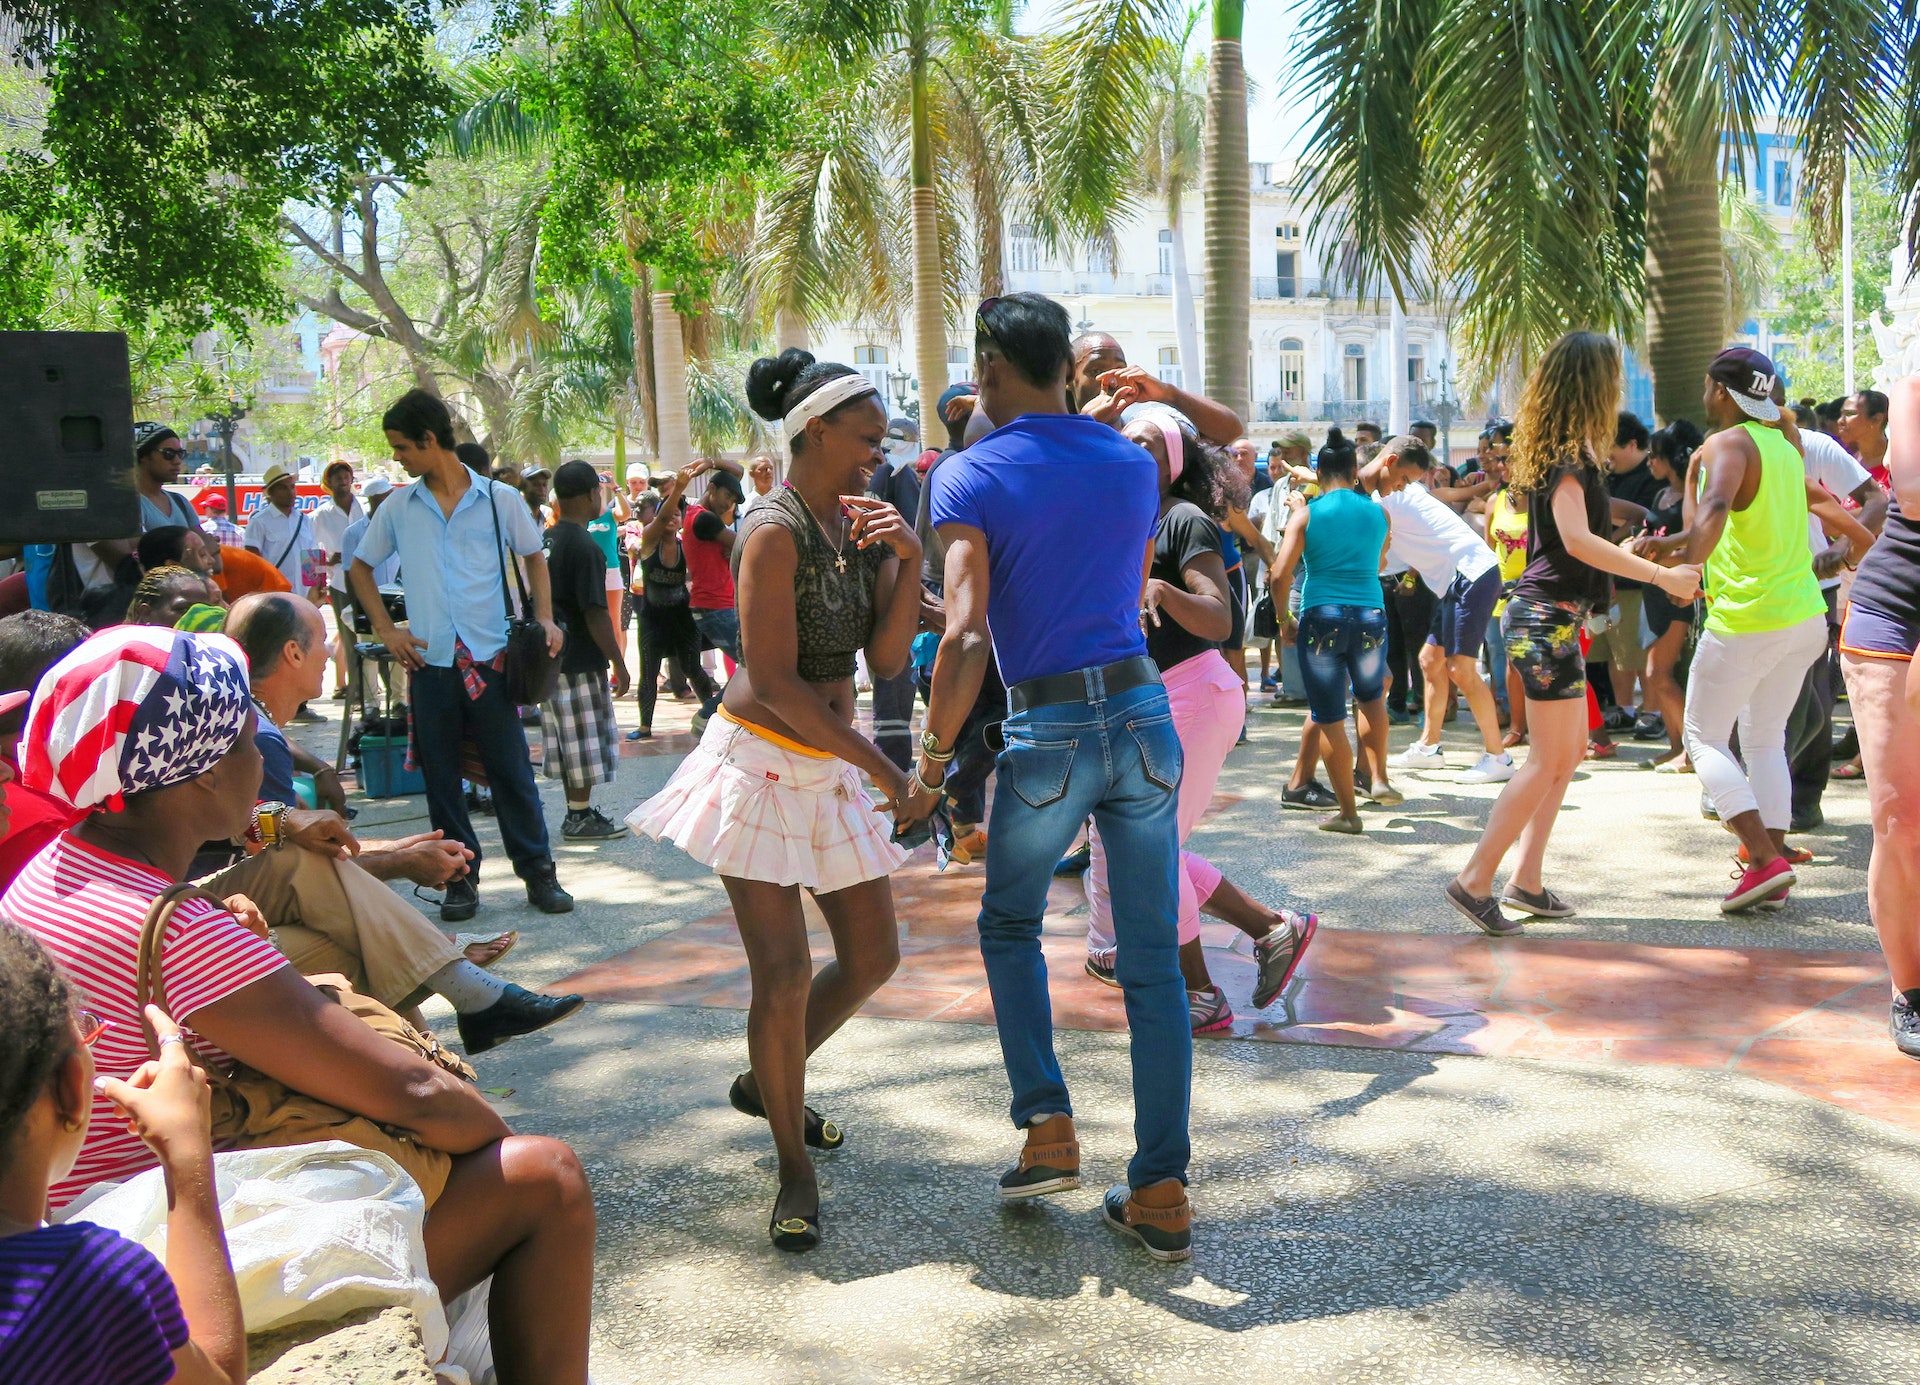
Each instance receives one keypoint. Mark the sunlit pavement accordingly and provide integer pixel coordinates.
(1644, 1143)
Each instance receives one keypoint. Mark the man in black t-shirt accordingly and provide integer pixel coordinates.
(1629, 478)
(582, 741)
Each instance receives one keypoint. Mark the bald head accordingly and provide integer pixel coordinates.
(279, 636)
(1094, 354)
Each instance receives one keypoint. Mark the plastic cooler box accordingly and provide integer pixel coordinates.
(383, 768)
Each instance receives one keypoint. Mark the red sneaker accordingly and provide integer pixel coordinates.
(1757, 883)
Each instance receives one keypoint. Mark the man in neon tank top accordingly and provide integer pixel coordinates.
(1766, 620)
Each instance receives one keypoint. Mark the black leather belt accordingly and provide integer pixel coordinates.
(1083, 685)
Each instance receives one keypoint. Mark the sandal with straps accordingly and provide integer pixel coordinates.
(1047, 1165)
(821, 1133)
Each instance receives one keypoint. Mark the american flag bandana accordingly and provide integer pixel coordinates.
(134, 708)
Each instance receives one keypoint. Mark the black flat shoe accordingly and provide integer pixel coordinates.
(821, 1133)
(793, 1233)
(516, 1012)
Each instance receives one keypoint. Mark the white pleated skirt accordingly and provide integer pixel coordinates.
(756, 811)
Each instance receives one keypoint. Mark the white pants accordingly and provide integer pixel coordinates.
(1753, 680)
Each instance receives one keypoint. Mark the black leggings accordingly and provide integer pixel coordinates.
(668, 632)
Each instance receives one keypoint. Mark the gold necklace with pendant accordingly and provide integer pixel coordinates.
(839, 555)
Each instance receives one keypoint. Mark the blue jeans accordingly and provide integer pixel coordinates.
(1341, 647)
(1117, 760)
(1497, 657)
(722, 629)
(441, 711)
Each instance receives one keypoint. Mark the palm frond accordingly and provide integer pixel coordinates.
(1363, 161)
(491, 115)
(1840, 98)
(1749, 248)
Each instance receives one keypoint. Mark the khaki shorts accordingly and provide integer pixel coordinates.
(1620, 642)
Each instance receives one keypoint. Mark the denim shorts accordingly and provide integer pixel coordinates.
(1460, 617)
(1341, 646)
(721, 629)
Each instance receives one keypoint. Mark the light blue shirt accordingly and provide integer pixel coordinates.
(384, 573)
(450, 567)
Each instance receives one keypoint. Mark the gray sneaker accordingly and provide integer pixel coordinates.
(1278, 955)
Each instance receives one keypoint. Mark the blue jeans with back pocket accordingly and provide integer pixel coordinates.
(1342, 647)
(1117, 760)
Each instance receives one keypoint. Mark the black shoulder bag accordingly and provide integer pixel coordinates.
(531, 672)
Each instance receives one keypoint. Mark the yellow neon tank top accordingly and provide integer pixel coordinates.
(1759, 577)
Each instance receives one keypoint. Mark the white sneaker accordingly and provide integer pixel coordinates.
(1420, 755)
(1492, 769)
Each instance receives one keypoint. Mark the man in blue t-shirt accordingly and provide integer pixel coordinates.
(1088, 732)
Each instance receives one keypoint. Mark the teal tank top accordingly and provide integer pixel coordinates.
(1345, 531)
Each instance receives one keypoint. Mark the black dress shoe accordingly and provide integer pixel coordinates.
(1807, 819)
(517, 1012)
(461, 902)
(544, 893)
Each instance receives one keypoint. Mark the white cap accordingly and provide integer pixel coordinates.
(374, 485)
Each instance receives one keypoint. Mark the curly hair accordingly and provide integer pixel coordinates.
(1569, 411)
(1210, 478)
(36, 1033)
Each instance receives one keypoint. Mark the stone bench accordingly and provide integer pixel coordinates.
(375, 1346)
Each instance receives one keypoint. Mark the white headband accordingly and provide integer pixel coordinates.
(828, 397)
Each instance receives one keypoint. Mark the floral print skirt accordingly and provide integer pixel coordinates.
(1543, 643)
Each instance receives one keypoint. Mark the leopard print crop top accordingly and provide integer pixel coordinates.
(833, 610)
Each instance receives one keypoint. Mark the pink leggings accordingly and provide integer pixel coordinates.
(1209, 705)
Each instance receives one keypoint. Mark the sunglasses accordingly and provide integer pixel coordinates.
(89, 1026)
(173, 454)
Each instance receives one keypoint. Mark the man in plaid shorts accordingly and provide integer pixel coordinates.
(582, 744)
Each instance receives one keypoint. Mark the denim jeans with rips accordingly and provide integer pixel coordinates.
(1116, 759)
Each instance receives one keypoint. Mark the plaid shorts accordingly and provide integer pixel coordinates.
(582, 739)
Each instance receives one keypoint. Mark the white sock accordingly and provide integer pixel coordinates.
(466, 987)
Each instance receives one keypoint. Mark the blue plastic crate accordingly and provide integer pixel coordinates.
(383, 768)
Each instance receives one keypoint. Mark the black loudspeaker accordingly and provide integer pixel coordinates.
(66, 418)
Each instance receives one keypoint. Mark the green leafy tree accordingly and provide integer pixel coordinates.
(1807, 301)
(174, 130)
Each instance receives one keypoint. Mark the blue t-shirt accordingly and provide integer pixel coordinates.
(1068, 506)
(276, 762)
(1345, 531)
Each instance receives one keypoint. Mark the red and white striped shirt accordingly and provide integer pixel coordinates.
(86, 906)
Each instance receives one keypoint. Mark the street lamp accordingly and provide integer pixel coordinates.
(225, 422)
(900, 380)
(1446, 412)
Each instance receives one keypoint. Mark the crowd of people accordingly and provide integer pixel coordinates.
(1089, 659)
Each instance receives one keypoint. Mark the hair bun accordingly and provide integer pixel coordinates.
(770, 379)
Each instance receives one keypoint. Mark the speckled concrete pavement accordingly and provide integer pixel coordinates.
(1362, 1216)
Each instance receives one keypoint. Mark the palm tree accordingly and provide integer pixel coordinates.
(1573, 153)
(1229, 199)
(1176, 129)
(976, 123)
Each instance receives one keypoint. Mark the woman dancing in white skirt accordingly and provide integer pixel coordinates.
(772, 797)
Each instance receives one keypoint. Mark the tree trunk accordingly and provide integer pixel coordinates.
(670, 379)
(645, 394)
(789, 329)
(1686, 279)
(1228, 198)
(929, 306)
(1186, 333)
(1397, 418)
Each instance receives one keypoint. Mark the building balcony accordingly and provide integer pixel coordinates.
(1159, 285)
(1038, 281)
(1268, 286)
(1351, 411)
(1111, 285)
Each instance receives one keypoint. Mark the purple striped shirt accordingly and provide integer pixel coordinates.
(82, 1305)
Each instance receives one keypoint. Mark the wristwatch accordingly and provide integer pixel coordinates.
(930, 747)
(269, 826)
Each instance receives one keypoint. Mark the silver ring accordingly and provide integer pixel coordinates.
(172, 1039)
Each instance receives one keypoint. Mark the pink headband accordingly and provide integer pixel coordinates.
(1176, 449)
